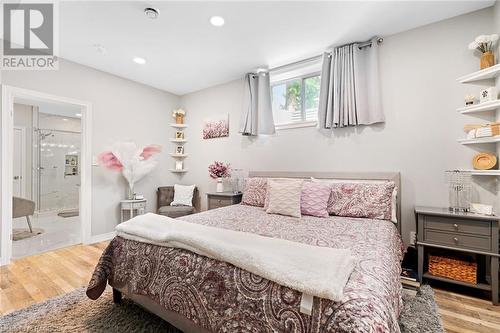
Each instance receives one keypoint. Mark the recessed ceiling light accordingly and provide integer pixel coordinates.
(151, 13)
(217, 21)
(139, 60)
(78, 114)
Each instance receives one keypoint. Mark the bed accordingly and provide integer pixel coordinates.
(199, 294)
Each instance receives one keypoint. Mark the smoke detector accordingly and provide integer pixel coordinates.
(151, 13)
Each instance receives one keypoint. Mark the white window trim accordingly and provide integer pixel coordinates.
(298, 124)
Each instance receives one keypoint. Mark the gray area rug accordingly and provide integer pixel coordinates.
(18, 234)
(74, 312)
(420, 313)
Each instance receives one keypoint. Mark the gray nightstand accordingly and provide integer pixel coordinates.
(222, 199)
(463, 232)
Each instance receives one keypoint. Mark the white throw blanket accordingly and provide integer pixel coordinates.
(313, 270)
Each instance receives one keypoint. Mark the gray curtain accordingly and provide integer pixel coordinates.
(257, 116)
(349, 93)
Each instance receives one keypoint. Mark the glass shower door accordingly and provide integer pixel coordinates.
(58, 170)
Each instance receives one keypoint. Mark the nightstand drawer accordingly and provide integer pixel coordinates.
(457, 225)
(219, 202)
(457, 240)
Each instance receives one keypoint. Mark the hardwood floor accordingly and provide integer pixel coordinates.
(34, 279)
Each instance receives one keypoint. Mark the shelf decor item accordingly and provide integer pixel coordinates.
(453, 268)
(484, 161)
(133, 163)
(460, 190)
(179, 115)
(488, 94)
(484, 44)
(469, 99)
(219, 171)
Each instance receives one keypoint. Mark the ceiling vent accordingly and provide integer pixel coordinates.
(151, 13)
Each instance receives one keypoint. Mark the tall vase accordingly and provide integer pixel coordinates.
(220, 185)
(130, 192)
(487, 60)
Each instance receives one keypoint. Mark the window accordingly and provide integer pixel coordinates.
(295, 101)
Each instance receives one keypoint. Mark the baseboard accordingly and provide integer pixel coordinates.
(102, 237)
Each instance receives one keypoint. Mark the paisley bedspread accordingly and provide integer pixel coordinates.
(223, 298)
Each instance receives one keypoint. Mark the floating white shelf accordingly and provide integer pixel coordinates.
(483, 172)
(490, 139)
(178, 171)
(178, 140)
(486, 106)
(179, 125)
(178, 155)
(484, 74)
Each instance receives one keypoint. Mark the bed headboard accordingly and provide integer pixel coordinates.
(388, 176)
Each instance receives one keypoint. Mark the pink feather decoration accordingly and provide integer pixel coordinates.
(108, 160)
(149, 151)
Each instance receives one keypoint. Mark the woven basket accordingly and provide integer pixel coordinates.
(455, 269)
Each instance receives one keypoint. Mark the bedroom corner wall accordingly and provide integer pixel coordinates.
(123, 110)
(420, 94)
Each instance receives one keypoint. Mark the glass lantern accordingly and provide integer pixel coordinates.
(459, 190)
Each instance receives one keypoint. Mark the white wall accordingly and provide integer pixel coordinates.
(122, 110)
(420, 94)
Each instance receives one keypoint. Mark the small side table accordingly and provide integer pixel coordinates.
(461, 232)
(133, 207)
(222, 199)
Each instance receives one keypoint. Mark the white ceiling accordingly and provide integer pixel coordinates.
(185, 53)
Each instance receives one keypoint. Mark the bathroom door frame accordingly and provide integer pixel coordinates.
(9, 93)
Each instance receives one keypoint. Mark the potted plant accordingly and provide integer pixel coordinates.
(179, 116)
(484, 44)
(219, 170)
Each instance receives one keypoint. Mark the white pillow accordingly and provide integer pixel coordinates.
(394, 202)
(284, 197)
(183, 195)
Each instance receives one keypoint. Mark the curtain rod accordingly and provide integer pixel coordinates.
(362, 45)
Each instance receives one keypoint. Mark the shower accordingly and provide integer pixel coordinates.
(43, 136)
(56, 167)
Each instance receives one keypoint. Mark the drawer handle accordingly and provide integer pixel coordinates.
(455, 226)
(455, 239)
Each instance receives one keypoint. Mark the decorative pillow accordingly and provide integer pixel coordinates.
(362, 200)
(314, 199)
(266, 199)
(183, 195)
(254, 192)
(284, 197)
(394, 203)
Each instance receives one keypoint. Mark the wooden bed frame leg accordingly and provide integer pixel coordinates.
(117, 296)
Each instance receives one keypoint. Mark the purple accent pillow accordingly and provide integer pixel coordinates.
(361, 200)
(254, 193)
(314, 199)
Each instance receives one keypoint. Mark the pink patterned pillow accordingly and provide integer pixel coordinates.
(254, 193)
(361, 200)
(314, 199)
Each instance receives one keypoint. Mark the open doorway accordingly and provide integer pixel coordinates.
(46, 176)
(45, 172)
